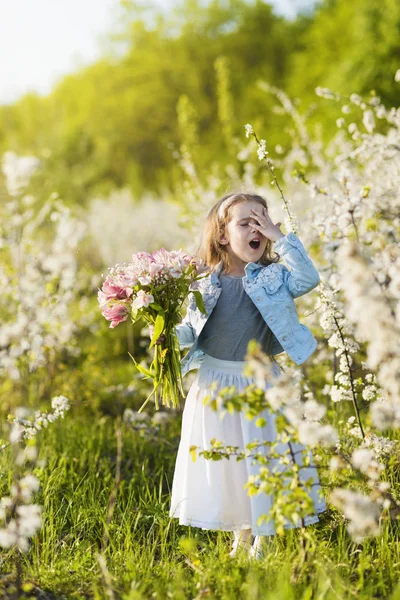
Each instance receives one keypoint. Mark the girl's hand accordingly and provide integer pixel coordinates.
(265, 225)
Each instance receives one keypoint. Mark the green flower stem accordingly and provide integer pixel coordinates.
(166, 372)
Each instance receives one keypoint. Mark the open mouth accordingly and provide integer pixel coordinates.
(255, 244)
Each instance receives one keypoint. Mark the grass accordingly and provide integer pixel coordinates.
(150, 555)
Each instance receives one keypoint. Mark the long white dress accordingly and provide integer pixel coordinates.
(210, 494)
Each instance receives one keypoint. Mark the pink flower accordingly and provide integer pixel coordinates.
(110, 289)
(155, 268)
(141, 256)
(175, 272)
(201, 267)
(145, 279)
(142, 299)
(141, 262)
(181, 256)
(177, 263)
(116, 313)
(161, 256)
(126, 280)
(102, 298)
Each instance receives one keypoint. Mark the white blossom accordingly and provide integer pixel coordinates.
(362, 512)
(314, 434)
(60, 404)
(29, 519)
(262, 150)
(248, 129)
(326, 93)
(18, 171)
(313, 411)
(8, 536)
(38, 286)
(385, 414)
(364, 459)
(28, 428)
(336, 463)
(369, 121)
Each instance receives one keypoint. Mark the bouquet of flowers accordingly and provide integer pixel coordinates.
(154, 287)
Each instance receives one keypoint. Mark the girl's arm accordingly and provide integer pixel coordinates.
(301, 276)
(185, 332)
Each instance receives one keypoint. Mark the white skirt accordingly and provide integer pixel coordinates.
(210, 494)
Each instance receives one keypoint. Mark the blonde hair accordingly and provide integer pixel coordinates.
(211, 251)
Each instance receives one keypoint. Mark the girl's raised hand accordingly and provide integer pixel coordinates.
(265, 225)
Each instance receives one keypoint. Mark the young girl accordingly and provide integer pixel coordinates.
(248, 295)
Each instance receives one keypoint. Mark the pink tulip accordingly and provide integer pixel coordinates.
(116, 313)
(111, 290)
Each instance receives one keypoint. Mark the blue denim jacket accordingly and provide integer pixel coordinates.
(272, 288)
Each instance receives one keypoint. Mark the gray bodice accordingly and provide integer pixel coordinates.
(234, 321)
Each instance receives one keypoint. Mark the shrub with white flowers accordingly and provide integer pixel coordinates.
(39, 273)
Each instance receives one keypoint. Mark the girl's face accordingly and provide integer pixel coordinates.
(243, 242)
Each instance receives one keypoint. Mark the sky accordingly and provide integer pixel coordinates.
(43, 40)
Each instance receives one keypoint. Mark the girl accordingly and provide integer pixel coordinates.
(247, 295)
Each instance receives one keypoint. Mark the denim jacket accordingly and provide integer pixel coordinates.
(272, 288)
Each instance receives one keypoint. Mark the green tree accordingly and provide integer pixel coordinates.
(348, 47)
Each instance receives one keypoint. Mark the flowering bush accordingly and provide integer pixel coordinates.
(154, 287)
(24, 428)
(38, 274)
(20, 519)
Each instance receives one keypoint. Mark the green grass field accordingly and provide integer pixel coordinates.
(149, 555)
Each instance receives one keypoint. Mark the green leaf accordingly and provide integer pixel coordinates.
(199, 301)
(146, 401)
(158, 329)
(143, 370)
(140, 368)
(156, 307)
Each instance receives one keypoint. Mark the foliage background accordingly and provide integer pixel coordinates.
(137, 146)
(114, 124)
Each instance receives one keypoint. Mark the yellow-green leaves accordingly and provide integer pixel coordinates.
(140, 368)
(199, 301)
(192, 451)
(158, 328)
